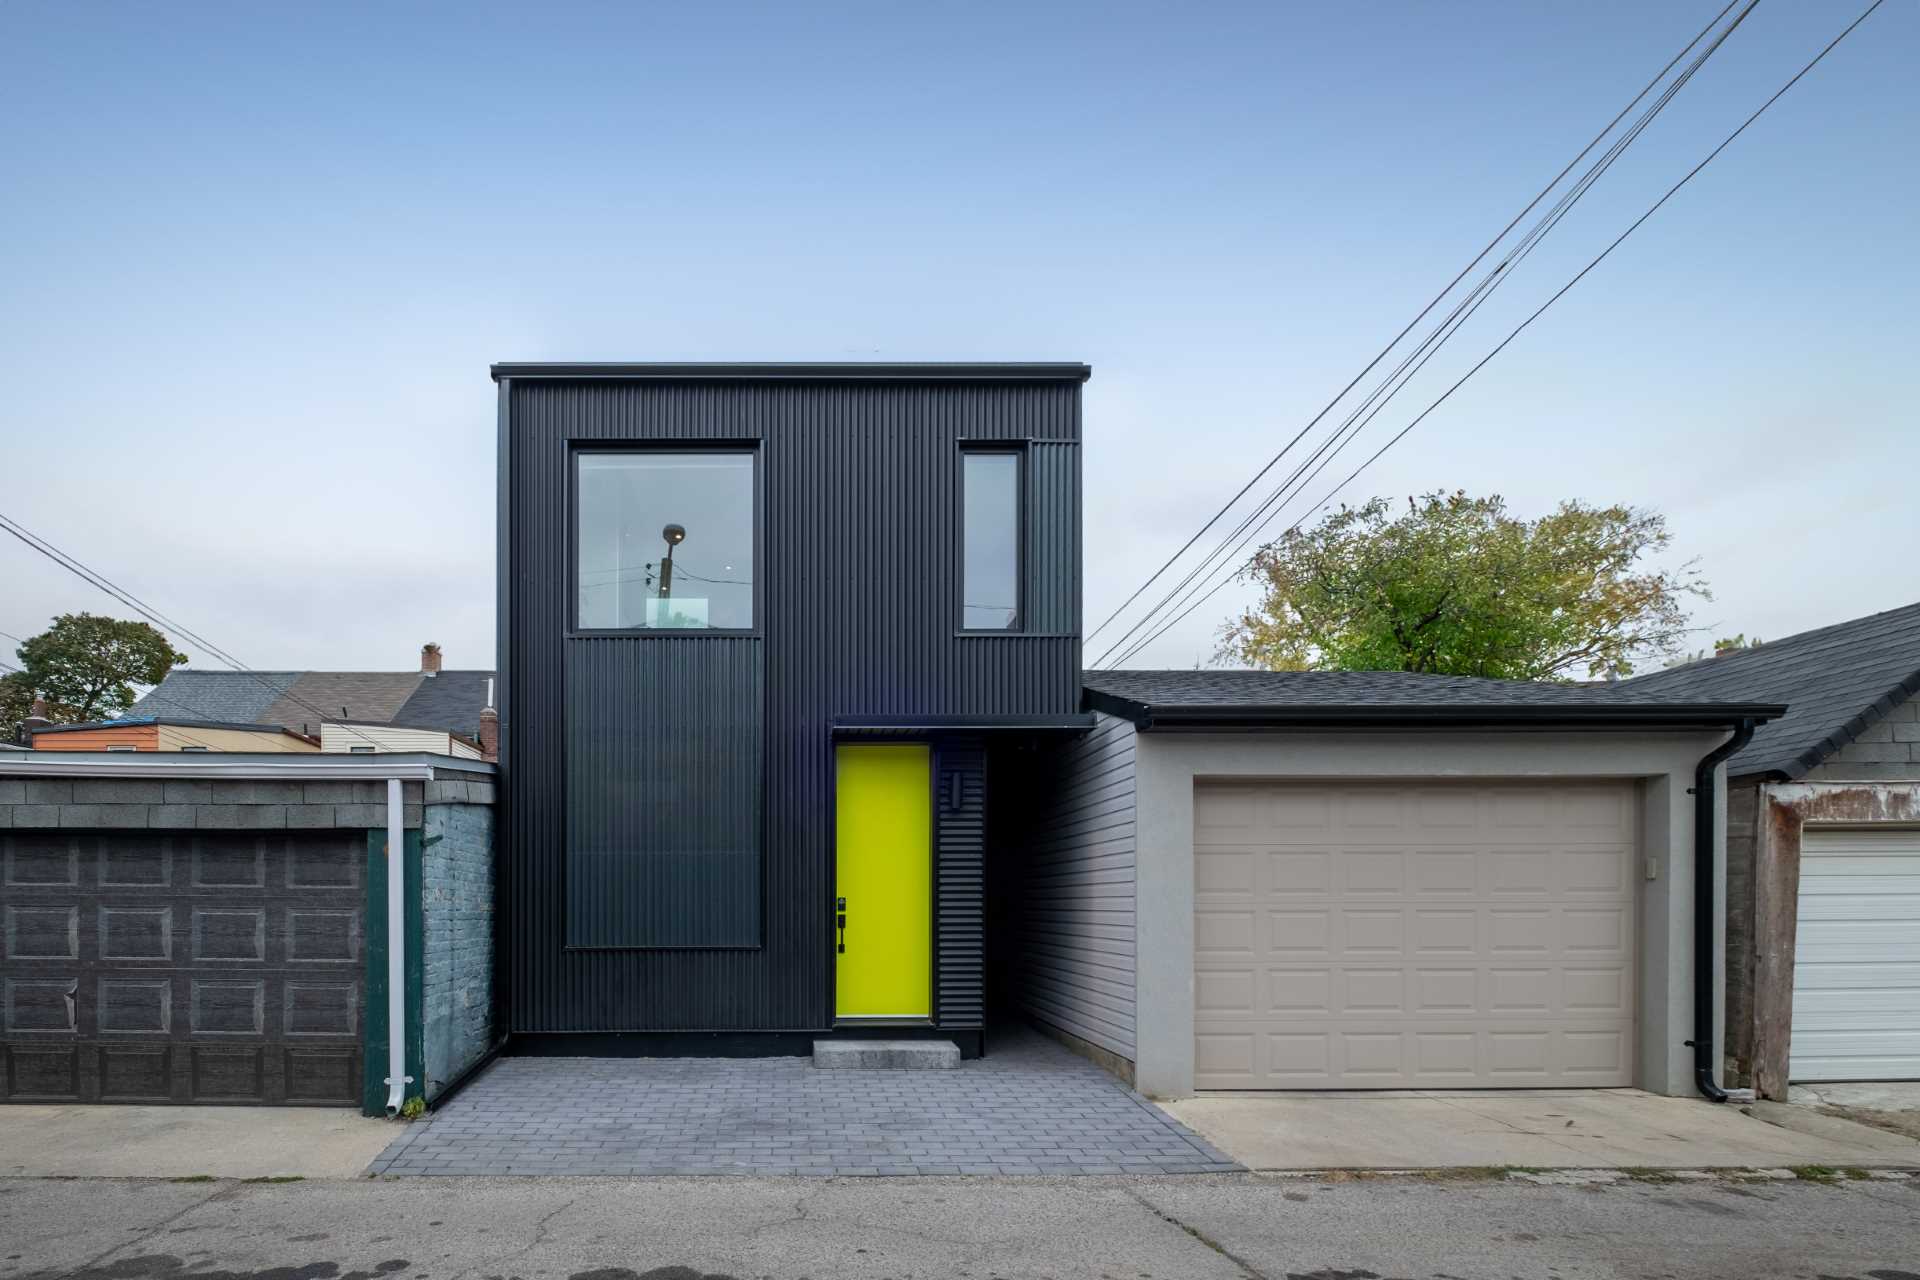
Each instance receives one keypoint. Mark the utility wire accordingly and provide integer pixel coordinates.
(76, 567)
(1423, 313)
(1523, 325)
(198, 742)
(1410, 366)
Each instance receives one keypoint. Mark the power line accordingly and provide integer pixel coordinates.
(1416, 360)
(1423, 313)
(1523, 325)
(198, 742)
(76, 567)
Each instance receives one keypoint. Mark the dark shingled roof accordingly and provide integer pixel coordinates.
(370, 697)
(451, 700)
(300, 700)
(1396, 697)
(229, 697)
(1837, 682)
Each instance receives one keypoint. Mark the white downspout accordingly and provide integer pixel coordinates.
(397, 1077)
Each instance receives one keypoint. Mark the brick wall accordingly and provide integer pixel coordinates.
(1889, 749)
(457, 909)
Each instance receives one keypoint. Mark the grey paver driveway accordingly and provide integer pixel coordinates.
(1029, 1107)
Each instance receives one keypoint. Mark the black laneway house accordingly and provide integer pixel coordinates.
(766, 633)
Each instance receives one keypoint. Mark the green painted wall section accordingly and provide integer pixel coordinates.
(374, 1092)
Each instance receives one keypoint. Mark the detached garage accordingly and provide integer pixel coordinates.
(1374, 880)
(214, 928)
(1823, 853)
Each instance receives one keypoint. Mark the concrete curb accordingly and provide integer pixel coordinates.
(1831, 1128)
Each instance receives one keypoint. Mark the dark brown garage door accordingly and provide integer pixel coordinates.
(203, 967)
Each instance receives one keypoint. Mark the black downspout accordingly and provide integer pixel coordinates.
(1703, 917)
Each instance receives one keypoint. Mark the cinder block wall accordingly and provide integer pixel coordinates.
(1888, 749)
(457, 913)
(140, 804)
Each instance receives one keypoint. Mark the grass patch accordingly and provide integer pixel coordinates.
(277, 1177)
(1814, 1172)
(1649, 1175)
(195, 1177)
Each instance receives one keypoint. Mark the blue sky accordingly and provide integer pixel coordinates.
(255, 260)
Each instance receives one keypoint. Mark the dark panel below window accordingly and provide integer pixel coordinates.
(663, 792)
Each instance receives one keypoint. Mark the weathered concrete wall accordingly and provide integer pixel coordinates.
(1888, 749)
(457, 912)
(119, 804)
(1743, 805)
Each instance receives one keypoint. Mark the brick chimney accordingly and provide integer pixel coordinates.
(490, 734)
(38, 717)
(430, 659)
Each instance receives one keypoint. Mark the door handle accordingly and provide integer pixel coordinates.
(840, 909)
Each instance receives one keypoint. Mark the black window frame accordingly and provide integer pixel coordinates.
(1017, 450)
(579, 448)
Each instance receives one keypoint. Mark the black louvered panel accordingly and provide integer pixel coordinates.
(960, 885)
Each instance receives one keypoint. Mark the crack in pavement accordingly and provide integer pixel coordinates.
(1196, 1233)
(89, 1264)
(539, 1238)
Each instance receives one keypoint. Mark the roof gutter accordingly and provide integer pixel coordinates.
(1430, 716)
(1705, 794)
(299, 766)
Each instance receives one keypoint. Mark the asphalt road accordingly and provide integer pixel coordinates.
(1191, 1228)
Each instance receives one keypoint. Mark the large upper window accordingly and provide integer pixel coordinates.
(990, 541)
(665, 541)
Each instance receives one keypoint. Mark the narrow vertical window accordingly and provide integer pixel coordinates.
(990, 541)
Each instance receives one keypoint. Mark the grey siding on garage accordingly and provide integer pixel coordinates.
(859, 570)
(1078, 869)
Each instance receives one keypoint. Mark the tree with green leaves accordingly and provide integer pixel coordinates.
(1456, 585)
(85, 666)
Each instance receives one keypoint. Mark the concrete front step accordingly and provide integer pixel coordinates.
(886, 1055)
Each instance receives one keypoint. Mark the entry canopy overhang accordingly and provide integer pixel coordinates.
(897, 726)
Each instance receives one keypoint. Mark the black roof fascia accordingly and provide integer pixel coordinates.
(165, 722)
(857, 725)
(1004, 371)
(1446, 715)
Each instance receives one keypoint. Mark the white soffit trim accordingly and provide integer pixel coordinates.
(310, 766)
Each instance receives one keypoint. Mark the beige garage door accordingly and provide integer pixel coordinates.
(1394, 935)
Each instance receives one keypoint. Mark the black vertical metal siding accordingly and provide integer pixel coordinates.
(859, 511)
(960, 848)
(699, 735)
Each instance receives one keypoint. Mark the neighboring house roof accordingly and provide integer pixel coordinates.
(301, 700)
(1837, 682)
(343, 695)
(1213, 698)
(231, 697)
(451, 700)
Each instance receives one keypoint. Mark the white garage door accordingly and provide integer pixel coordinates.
(1856, 957)
(1394, 935)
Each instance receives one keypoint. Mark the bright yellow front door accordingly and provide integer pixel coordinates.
(883, 884)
